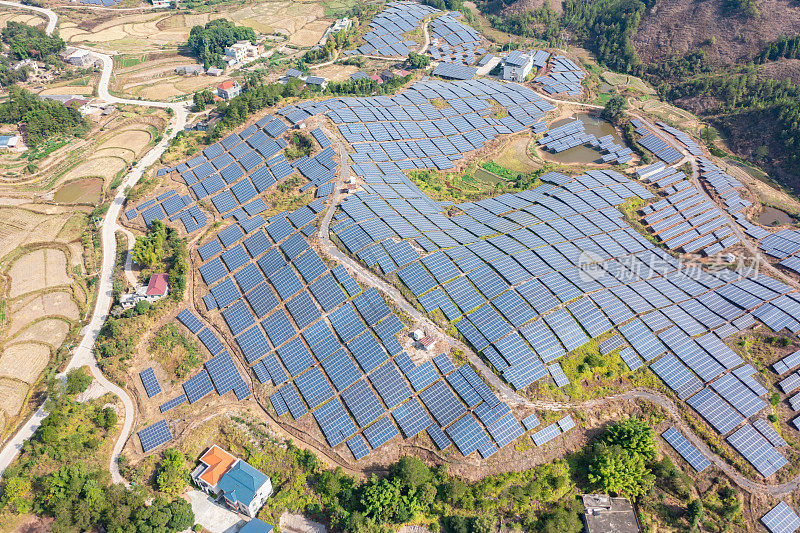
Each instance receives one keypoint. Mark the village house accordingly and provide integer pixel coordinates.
(156, 289)
(243, 488)
(229, 89)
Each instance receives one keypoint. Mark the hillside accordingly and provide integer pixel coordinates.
(681, 26)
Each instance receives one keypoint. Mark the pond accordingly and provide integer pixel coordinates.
(583, 154)
(82, 191)
(769, 216)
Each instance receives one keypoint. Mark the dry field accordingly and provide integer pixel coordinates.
(16, 15)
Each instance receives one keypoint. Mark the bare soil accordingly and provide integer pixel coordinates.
(24, 361)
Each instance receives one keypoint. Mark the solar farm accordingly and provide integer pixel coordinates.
(525, 278)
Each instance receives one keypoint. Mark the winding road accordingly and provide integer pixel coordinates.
(83, 354)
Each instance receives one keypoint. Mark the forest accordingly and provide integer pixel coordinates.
(40, 119)
(208, 42)
(31, 42)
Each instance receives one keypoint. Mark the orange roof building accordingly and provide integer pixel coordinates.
(215, 463)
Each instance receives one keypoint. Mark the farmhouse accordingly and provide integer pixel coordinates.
(256, 526)
(517, 65)
(192, 70)
(604, 513)
(156, 289)
(8, 142)
(239, 52)
(229, 89)
(242, 487)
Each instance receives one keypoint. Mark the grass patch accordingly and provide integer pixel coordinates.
(177, 353)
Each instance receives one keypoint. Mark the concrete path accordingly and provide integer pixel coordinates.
(129, 257)
(83, 354)
(214, 517)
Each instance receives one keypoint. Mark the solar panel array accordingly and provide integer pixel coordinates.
(686, 449)
(564, 77)
(387, 29)
(501, 270)
(452, 41)
(781, 519)
(150, 382)
(154, 436)
(654, 144)
(685, 219)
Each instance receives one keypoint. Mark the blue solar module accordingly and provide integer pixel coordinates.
(293, 401)
(327, 292)
(173, 403)
(467, 393)
(367, 351)
(197, 387)
(271, 262)
(303, 310)
(412, 418)
(342, 276)
(261, 372)
(380, 432)
(422, 376)
(278, 328)
(438, 437)
(295, 357)
(276, 371)
(253, 344)
(390, 384)
(346, 322)
(341, 370)
(714, 409)
(469, 436)
(310, 266)
(262, 300)
(278, 403)
(334, 421)
(210, 341)
(314, 387)
(506, 430)
(154, 436)
(546, 434)
(212, 271)
(286, 282)
(442, 403)
(531, 421)
(444, 364)
(363, 403)
(358, 447)
(150, 382)
(781, 519)
(686, 449)
(226, 376)
(416, 278)
(238, 317)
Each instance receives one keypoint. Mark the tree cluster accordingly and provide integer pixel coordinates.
(782, 48)
(31, 42)
(366, 86)
(620, 462)
(208, 42)
(41, 119)
(417, 61)
(162, 247)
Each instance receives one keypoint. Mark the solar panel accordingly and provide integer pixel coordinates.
(686, 449)
(198, 386)
(380, 432)
(757, 450)
(442, 403)
(718, 413)
(314, 387)
(781, 519)
(390, 384)
(171, 404)
(293, 401)
(531, 421)
(358, 447)
(363, 403)
(150, 382)
(546, 434)
(154, 436)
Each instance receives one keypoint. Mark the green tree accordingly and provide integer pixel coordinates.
(561, 519)
(31, 42)
(78, 380)
(172, 476)
(614, 110)
(695, 512)
(417, 61)
(208, 42)
(149, 248)
(16, 494)
(411, 472)
(632, 435)
(486, 523)
(618, 471)
(381, 498)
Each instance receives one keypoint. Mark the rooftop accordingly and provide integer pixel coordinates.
(241, 482)
(218, 461)
(256, 526)
(604, 513)
(226, 85)
(157, 285)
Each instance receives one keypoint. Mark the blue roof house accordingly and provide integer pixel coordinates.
(256, 526)
(244, 488)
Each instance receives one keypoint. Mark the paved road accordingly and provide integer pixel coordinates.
(83, 354)
(52, 18)
(129, 257)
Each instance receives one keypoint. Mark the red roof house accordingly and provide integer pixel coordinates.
(158, 286)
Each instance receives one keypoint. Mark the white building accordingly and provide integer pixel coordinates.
(243, 488)
(240, 52)
(162, 3)
(156, 289)
(78, 57)
(229, 89)
(517, 65)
